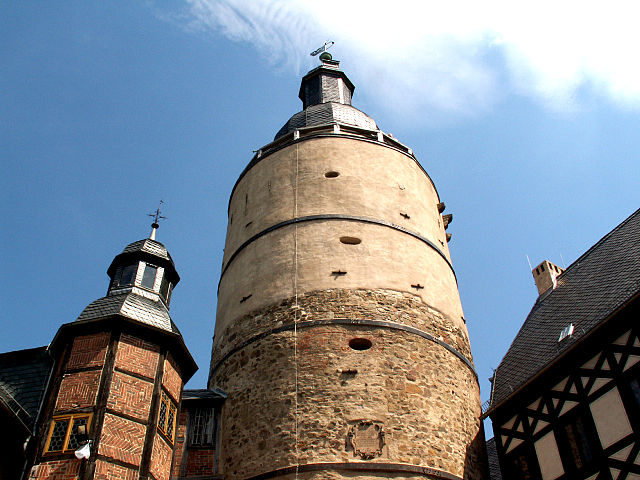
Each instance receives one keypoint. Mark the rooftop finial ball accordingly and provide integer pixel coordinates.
(325, 56)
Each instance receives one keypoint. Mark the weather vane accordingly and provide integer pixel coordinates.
(156, 216)
(327, 45)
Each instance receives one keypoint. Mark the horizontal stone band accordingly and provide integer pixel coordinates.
(350, 322)
(359, 467)
(333, 216)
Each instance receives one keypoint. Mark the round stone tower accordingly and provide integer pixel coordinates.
(339, 336)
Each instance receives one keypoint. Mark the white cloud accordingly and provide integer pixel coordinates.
(455, 57)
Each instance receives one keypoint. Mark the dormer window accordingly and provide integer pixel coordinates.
(128, 275)
(149, 276)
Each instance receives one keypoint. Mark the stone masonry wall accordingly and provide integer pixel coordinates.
(424, 398)
(382, 305)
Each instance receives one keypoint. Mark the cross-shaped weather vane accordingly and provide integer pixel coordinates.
(327, 45)
(156, 216)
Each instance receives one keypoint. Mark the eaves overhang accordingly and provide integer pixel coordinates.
(171, 340)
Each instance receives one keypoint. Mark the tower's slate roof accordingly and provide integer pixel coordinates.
(148, 246)
(23, 379)
(132, 306)
(326, 113)
(203, 394)
(588, 291)
(326, 94)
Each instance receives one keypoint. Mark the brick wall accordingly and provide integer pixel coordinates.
(128, 405)
(130, 395)
(78, 390)
(58, 470)
(137, 356)
(171, 379)
(110, 471)
(88, 350)
(122, 439)
(181, 437)
(200, 462)
(160, 459)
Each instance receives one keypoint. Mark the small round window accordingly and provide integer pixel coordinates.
(360, 343)
(350, 240)
(332, 174)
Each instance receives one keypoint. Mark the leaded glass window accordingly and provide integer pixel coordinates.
(58, 435)
(167, 416)
(64, 434)
(202, 426)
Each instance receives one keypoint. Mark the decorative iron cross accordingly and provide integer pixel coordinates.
(156, 216)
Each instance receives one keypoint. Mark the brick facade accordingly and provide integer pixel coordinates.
(122, 439)
(137, 356)
(171, 379)
(200, 462)
(88, 351)
(180, 444)
(78, 390)
(127, 397)
(161, 459)
(57, 470)
(130, 395)
(110, 471)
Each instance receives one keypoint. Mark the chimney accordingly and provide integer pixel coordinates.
(545, 276)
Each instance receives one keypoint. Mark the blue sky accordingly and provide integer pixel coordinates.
(526, 121)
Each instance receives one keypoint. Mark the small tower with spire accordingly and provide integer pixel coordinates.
(112, 404)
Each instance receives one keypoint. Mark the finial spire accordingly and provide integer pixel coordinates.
(156, 216)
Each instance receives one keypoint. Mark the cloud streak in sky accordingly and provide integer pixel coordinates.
(458, 57)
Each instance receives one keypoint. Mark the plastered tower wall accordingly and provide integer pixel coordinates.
(340, 337)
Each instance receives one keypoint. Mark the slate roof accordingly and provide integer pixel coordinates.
(23, 379)
(149, 246)
(492, 457)
(327, 113)
(203, 394)
(588, 291)
(133, 306)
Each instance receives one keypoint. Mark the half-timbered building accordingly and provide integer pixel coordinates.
(565, 399)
